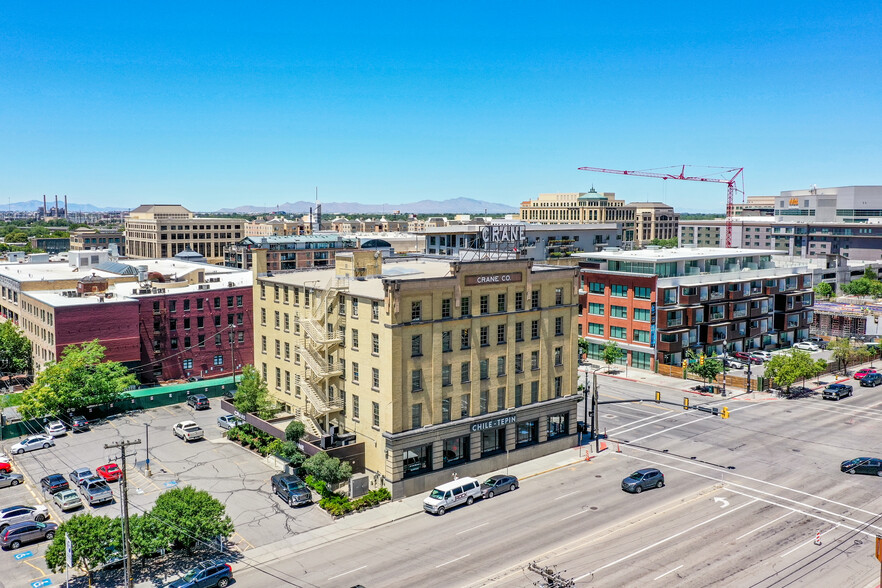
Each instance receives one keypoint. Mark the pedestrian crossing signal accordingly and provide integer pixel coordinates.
(724, 413)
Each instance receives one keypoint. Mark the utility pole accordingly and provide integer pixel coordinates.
(127, 547)
(595, 421)
(550, 577)
(233, 354)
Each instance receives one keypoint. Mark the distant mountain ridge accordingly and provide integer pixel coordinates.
(451, 206)
(33, 205)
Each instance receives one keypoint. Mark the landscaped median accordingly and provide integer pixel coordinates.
(339, 505)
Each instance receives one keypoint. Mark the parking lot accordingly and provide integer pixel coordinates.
(237, 477)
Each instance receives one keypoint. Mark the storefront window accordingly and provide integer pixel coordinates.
(492, 441)
(528, 433)
(558, 425)
(456, 450)
(417, 460)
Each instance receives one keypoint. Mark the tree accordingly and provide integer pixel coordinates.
(189, 516)
(870, 273)
(787, 368)
(81, 378)
(252, 395)
(824, 290)
(611, 353)
(843, 351)
(664, 242)
(148, 535)
(94, 539)
(708, 370)
(583, 345)
(15, 349)
(294, 431)
(328, 469)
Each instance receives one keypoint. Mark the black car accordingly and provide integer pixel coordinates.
(78, 424)
(198, 402)
(498, 485)
(54, 483)
(208, 573)
(643, 480)
(862, 465)
(291, 489)
(871, 380)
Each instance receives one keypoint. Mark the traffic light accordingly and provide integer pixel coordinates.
(685, 364)
(701, 360)
(657, 397)
(685, 403)
(724, 414)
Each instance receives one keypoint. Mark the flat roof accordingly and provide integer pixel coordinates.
(531, 227)
(676, 253)
(315, 237)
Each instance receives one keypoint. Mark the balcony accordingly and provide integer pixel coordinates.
(669, 347)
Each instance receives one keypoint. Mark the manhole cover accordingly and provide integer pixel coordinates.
(795, 450)
(592, 508)
(598, 476)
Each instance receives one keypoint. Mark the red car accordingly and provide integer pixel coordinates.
(109, 472)
(859, 375)
(5, 467)
(746, 357)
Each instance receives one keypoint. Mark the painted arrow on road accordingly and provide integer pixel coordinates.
(723, 500)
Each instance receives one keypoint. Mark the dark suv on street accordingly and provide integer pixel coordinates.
(198, 401)
(643, 480)
(17, 535)
(873, 380)
(54, 483)
(291, 489)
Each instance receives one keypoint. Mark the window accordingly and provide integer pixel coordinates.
(558, 356)
(500, 366)
(173, 324)
(416, 416)
(287, 351)
(186, 305)
(416, 310)
(217, 304)
(534, 391)
(416, 345)
(558, 296)
(417, 460)
(375, 343)
(354, 406)
(492, 441)
(485, 336)
(263, 343)
(534, 360)
(465, 370)
(445, 375)
(519, 331)
(484, 402)
(641, 314)
(519, 395)
(278, 347)
(375, 414)
(500, 303)
(465, 408)
(558, 425)
(465, 308)
(619, 291)
(500, 398)
(217, 322)
(534, 300)
(172, 306)
(355, 308)
(445, 342)
(595, 308)
(375, 311)
(485, 304)
(500, 334)
(416, 380)
(456, 450)
(618, 311)
(445, 410)
(355, 338)
(263, 316)
(218, 360)
(558, 386)
(484, 365)
(355, 372)
(519, 363)
(445, 308)
(641, 336)
(229, 302)
(199, 304)
(276, 320)
(375, 378)
(174, 342)
(558, 326)
(239, 300)
(519, 301)
(534, 329)
(618, 332)
(527, 433)
(188, 364)
(464, 341)
(187, 342)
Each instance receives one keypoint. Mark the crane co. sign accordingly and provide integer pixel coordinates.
(504, 233)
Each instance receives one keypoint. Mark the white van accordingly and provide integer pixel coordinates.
(455, 493)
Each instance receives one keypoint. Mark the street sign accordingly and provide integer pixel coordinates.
(43, 582)
(879, 547)
(68, 551)
(24, 555)
(171, 484)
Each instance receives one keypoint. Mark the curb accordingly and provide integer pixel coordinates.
(566, 465)
(619, 377)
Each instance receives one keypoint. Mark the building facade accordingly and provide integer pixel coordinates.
(91, 239)
(164, 230)
(291, 252)
(51, 245)
(658, 304)
(438, 367)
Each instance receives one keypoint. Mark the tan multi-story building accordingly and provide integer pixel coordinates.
(642, 221)
(437, 367)
(164, 230)
(277, 227)
(92, 239)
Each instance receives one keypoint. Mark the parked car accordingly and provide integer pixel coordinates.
(291, 489)
(188, 431)
(806, 346)
(198, 402)
(95, 491)
(862, 465)
(859, 375)
(110, 472)
(228, 421)
(498, 485)
(452, 494)
(5, 466)
(79, 475)
(837, 391)
(733, 364)
(67, 500)
(762, 355)
(10, 480)
(79, 424)
(56, 429)
(32, 443)
(17, 535)
(54, 483)
(22, 514)
(745, 356)
(643, 480)
(871, 380)
(209, 573)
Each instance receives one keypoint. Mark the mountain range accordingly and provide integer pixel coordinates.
(454, 205)
(33, 205)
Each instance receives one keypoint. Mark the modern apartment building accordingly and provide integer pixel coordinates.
(289, 252)
(642, 221)
(92, 239)
(438, 367)
(164, 230)
(277, 226)
(659, 303)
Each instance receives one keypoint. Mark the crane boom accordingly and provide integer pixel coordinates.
(730, 183)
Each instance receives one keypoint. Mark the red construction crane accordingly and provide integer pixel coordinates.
(730, 196)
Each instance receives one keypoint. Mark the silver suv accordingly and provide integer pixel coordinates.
(16, 535)
(22, 514)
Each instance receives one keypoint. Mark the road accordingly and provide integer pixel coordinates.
(743, 502)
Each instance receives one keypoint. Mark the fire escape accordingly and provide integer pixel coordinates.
(322, 338)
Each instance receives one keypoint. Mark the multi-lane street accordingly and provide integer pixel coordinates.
(743, 503)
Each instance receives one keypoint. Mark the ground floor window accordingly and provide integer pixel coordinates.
(456, 450)
(558, 425)
(640, 360)
(417, 460)
(528, 433)
(492, 441)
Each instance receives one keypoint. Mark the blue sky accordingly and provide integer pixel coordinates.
(216, 105)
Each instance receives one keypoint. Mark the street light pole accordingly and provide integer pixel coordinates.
(725, 356)
(233, 354)
(147, 438)
(596, 419)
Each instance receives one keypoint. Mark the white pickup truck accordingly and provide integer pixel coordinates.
(188, 431)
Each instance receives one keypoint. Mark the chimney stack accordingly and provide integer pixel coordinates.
(45, 209)
(65, 206)
(56, 206)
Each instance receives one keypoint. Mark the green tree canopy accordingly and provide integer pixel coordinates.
(327, 469)
(787, 368)
(252, 395)
(824, 290)
(15, 349)
(708, 370)
(845, 352)
(80, 379)
(189, 516)
(294, 431)
(148, 535)
(611, 353)
(93, 538)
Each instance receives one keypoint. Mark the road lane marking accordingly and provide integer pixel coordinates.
(668, 572)
(472, 528)
(812, 540)
(665, 540)
(666, 429)
(568, 494)
(575, 515)
(452, 560)
(344, 573)
(862, 415)
(786, 514)
(653, 416)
